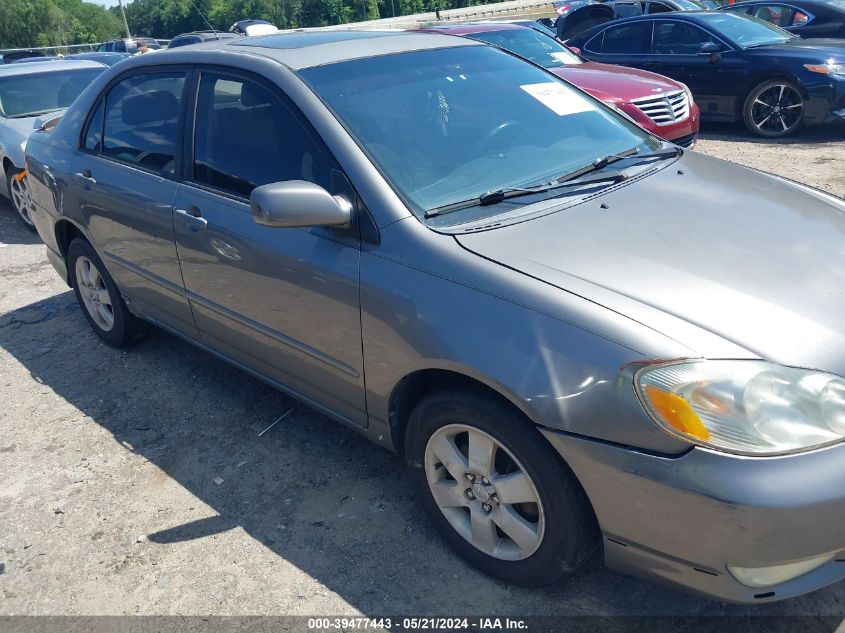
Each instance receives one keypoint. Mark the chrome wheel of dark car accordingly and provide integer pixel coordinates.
(774, 108)
(20, 196)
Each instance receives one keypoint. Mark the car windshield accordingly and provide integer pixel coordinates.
(39, 93)
(746, 31)
(448, 125)
(532, 45)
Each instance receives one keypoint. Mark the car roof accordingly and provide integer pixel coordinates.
(31, 68)
(474, 27)
(306, 49)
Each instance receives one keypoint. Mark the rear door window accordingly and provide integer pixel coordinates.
(628, 39)
(246, 136)
(141, 121)
(626, 9)
(778, 14)
(659, 7)
(679, 38)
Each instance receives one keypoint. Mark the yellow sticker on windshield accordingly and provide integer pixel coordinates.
(558, 98)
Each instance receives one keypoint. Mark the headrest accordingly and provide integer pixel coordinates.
(254, 95)
(150, 107)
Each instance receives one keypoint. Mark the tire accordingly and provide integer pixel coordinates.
(557, 534)
(99, 298)
(19, 197)
(773, 109)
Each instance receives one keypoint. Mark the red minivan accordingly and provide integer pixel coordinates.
(662, 106)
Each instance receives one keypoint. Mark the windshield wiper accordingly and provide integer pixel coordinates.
(27, 115)
(572, 179)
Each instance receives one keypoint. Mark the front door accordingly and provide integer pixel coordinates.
(281, 301)
(123, 187)
(676, 53)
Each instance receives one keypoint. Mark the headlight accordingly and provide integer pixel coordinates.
(826, 69)
(746, 407)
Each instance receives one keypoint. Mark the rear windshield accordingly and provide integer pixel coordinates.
(39, 93)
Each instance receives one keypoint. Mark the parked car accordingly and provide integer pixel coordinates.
(197, 37)
(533, 301)
(575, 16)
(13, 56)
(41, 58)
(630, 8)
(129, 45)
(662, 106)
(29, 91)
(253, 27)
(109, 59)
(738, 68)
(805, 18)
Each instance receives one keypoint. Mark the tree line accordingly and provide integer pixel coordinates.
(36, 23)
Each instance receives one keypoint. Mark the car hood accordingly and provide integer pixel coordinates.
(606, 82)
(701, 246)
(821, 49)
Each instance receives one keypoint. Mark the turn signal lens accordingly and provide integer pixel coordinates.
(826, 69)
(677, 413)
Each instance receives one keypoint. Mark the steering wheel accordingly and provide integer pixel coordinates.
(501, 131)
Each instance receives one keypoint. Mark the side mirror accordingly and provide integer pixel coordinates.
(575, 50)
(711, 50)
(297, 203)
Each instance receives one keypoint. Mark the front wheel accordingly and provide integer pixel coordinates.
(19, 196)
(773, 109)
(496, 490)
(99, 297)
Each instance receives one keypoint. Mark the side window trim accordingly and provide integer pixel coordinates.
(238, 74)
(101, 98)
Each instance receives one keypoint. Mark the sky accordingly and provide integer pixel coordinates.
(108, 3)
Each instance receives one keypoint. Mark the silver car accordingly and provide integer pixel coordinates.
(581, 339)
(27, 92)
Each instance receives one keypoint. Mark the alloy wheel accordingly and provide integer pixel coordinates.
(484, 492)
(777, 110)
(21, 199)
(94, 293)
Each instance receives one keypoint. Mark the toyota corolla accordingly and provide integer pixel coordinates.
(581, 339)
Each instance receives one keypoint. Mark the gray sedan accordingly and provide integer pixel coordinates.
(582, 340)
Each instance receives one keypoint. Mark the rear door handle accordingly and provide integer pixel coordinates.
(192, 218)
(85, 176)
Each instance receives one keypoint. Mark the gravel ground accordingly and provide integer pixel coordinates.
(136, 483)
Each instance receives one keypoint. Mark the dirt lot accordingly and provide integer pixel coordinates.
(136, 483)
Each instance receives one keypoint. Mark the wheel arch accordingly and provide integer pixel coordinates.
(65, 231)
(414, 386)
(758, 78)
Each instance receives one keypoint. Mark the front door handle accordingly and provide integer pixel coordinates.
(85, 177)
(192, 218)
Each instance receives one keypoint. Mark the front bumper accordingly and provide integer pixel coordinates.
(682, 520)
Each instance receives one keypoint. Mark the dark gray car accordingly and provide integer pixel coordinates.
(580, 338)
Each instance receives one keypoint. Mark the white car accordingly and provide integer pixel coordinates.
(27, 92)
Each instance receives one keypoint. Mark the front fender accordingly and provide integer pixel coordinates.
(424, 306)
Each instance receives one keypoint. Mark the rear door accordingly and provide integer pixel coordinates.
(123, 184)
(281, 301)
